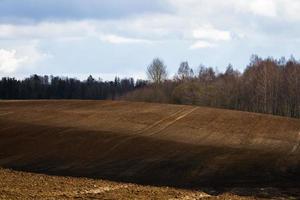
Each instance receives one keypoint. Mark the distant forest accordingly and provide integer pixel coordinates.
(53, 87)
(268, 86)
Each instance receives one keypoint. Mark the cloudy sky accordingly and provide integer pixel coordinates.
(121, 37)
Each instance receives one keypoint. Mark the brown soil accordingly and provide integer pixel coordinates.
(154, 144)
(20, 185)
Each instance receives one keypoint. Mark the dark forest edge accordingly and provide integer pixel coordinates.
(54, 87)
(270, 86)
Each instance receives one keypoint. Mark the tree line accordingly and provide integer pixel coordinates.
(53, 87)
(270, 86)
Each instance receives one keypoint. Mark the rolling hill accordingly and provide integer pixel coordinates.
(157, 144)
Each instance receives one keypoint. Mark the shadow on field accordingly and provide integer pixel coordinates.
(145, 160)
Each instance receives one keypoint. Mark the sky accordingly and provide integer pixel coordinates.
(76, 38)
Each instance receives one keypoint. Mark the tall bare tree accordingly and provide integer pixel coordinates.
(157, 71)
(185, 72)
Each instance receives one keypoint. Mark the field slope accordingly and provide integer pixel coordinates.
(154, 144)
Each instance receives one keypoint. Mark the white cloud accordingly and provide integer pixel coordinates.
(106, 30)
(208, 37)
(227, 26)
(266, 8)
(188, 15)
(208, 33)
(202, 23)
(290, 9)
(47, 30)
(11, 60)
(202, 44)
(115, 39)
(263, 7)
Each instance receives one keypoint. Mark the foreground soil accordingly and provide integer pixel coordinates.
(20, 185)
(152, 144)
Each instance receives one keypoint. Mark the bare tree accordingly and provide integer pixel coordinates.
(266, 86)
(157, 71)
(206, 74)
(184, 71)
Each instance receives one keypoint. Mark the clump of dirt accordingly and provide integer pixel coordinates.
(21, 185)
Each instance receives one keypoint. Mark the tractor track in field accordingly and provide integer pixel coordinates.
(172, 122)
(156, 127)
(146, 143)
